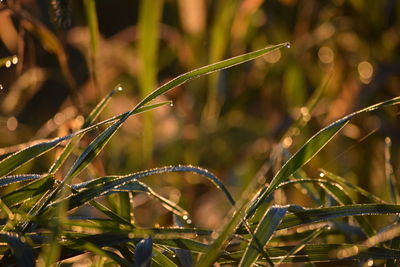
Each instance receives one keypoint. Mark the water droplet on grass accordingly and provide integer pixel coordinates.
(119, 88)
(8, 63)
(1, 87)
(14, 60)
(287, 45)
(171, 104)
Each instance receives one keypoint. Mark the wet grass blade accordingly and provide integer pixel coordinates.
(162, 260)
(324, 253)
(308, 216)
(91, 190)
(227, 63)
(33, 189)
(88, 122)
(101, 140)
(18, 178)
(21, 157)
(262, 235)
(310, 149)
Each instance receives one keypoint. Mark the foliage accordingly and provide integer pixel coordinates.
(71, 194)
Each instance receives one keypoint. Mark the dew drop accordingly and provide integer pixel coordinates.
(171, 104)
(14, 60)
(185, 217)
(189, 221)
(1, 87)
(287, 45)
(8, 63)
(119, 88)
(321, 174)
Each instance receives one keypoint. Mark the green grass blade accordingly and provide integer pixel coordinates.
(150, 15)
(97, 145)
(324, 253)
(227, 63)
(18, 178)
(162, 260)
(263, 233)
(307, 216)
(310, 149)
(33, 189)
(90, 190)
(20, 158)
(92, 21)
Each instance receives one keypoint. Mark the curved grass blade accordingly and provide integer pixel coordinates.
(183, 244)
(20, 158)
(33, 189)
(262, 235)
(104, 185)
(97, 145)
(18, 178)
(88, 122)
(307, 216)
(129, 232)
(310, 149)
(23, 253)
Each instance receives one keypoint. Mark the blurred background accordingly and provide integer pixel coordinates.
(59, 58)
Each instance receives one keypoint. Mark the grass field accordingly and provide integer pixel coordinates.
(199, 133)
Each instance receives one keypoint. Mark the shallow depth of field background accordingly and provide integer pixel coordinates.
(230, 122)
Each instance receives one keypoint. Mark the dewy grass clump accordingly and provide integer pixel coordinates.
(44, 216)
(39, 223)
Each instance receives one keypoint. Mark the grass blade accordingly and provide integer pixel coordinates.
(307, 216)
(310, 149)
(263, 233)
(18, 178)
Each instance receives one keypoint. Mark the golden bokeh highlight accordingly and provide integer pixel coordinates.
(365, 71)
(326, 55)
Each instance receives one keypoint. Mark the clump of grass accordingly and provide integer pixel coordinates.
(39, 221)
(42, 222)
